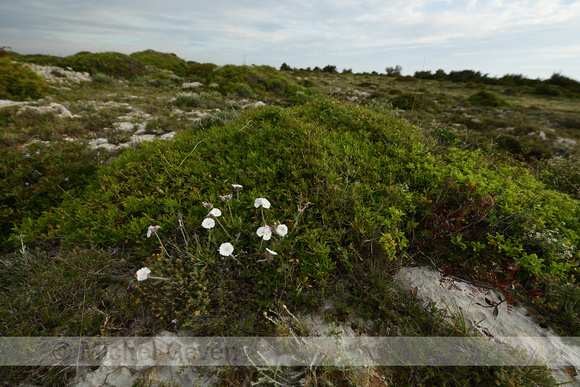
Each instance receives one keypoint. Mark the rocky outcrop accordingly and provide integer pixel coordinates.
(54, 74)
(56, 109)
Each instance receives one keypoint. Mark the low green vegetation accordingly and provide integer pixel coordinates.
(20, 83)
(487, 98)
(162, 61)
(323, 194)
(110, 63)
(256, 81)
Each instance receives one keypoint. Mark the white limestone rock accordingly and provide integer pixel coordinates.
(515, 324)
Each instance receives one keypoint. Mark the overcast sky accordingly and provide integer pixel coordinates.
(531, 37)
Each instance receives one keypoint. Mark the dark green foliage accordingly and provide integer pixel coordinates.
(36, 179)
(259, 80)
(285, 67)
(557, 301)
(111, 63)
(487, 98)
(549, 90)
(162, 60)
(509, 143)
(20, 83)
(565, 82)
(466, 76)
(201, 70)
(42, 60)
(412, 102)
(330, 69)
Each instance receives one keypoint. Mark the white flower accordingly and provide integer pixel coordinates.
(226, 249)
(261, 202)
(215, 212)
(282, 230)
(237, 187)
(207, 205)
(152, 229)
(271, 251)
(143, 273)
(265, 233)
(208, 223)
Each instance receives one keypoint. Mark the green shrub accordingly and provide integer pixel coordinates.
(550, 90)
(103, 79)
(260, 80)
(487, 98)
(562, 174)
(36, 179)
(201, 70)
(110, 63)
(42, 60)
(162, 60)
(20, 83)
(413, 102)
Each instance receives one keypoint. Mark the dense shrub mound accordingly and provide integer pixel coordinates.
(200, 70)
(162, 60)
(414, 102)
(20, 83)
(110, 63)
(42, 60)
(247, 81)
(487, 98)
(355, 189)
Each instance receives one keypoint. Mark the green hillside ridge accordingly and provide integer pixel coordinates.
(368, 173)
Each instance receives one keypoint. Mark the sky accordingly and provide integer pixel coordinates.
(535, 38)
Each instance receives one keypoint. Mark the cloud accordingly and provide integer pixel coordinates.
(365, 32)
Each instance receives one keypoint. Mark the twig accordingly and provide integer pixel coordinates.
(189, 154)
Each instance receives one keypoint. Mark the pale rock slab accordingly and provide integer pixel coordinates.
(530, 337)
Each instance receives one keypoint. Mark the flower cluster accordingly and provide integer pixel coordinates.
(212, 219)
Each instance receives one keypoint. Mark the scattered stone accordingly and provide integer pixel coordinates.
(4, 103)
(167, 136)
(363, 94)
(191, 85)
(58, 110)
(564, 143)
(540, 134)
(56, 74)
(127, 126)
(143, 137)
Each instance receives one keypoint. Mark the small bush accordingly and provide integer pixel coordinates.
(110, 63)
(42, 60)
(548, 90)
(20, 83)
(162, 60)
(413, 102)
(330, 69)
(201, 70)
(487, 98)
(103, 79)
(260, 80)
